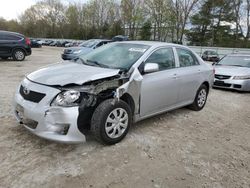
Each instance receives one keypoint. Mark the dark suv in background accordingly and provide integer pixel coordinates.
(14, 45)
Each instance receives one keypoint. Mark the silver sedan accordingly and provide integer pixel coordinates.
(108, 89)
(233, 72)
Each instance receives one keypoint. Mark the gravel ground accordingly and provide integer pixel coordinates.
(181, 148)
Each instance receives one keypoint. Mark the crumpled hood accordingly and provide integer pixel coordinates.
(232, 70)
(70, 73)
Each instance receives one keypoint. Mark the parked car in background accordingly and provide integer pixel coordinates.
(120, 38)
(210, 55)
(109, 88)
(48, 42)
(70, 44)
(83, 48)
(233, 72)
(35, 44)
(61, 43)
(53, 43)
(14, 45)
(42, 42)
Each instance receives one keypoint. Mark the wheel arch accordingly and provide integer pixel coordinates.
(19, 48)
(129, 100)
(206, 83)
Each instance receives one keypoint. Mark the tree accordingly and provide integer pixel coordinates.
(145, 32)
(132, 16)
(212, 25)
(200, 33)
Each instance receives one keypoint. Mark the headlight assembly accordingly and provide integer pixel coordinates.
(242, 77)
(67, 98)
(77, 52)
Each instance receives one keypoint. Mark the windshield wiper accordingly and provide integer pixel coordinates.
(237, 65)
(97, 63)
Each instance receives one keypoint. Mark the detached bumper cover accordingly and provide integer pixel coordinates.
(52, 123)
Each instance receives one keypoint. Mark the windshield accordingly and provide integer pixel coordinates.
(89, 43)
(115, 55)
(212, 53)
(241, 61)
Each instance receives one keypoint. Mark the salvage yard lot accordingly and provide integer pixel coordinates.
(181, 148)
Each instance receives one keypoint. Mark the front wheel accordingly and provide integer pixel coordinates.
(200, 99)
(111, 121)
(18, 55)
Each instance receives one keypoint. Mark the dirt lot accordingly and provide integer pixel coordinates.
(182, 148)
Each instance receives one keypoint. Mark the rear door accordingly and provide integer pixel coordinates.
(189, 73)
(159, 90)
(4, 50)
(8, 42)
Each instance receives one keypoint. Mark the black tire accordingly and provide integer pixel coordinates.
(99, 123)
(199, 103)
(18, 55)
(4, 58)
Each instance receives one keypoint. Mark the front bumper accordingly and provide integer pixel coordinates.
(239, 85)
(68, 56)
(52, 123)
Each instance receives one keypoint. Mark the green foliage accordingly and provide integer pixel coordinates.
(145, 33)
(211, 26)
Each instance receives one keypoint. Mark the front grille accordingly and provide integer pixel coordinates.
(67, 51)
(221, 84)
(222, 77)
(32, 96)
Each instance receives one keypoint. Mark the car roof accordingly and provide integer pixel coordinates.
(99, 40)
(239, 55)
(10, 32)
(154, 43)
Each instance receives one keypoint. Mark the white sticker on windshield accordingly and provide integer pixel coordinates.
(137, 50)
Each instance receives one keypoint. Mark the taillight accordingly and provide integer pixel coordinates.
(27, 41)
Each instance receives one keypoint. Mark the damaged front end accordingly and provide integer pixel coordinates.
(124, 86)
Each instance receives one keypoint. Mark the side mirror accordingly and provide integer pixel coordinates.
(151, 67)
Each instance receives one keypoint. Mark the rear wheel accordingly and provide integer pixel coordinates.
(200, 99)
(111, 121)
(18, 55)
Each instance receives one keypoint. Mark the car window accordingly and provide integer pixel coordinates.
(11, 37)
(99, 44)
(186, 58)
(164, 57)
(115, 55)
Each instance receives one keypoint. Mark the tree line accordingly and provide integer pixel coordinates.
(200, 22)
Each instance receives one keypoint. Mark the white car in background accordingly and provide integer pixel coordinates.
(233, 72)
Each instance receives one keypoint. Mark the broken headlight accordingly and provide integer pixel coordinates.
(67, 98)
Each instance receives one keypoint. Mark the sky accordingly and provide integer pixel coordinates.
(11, 9)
